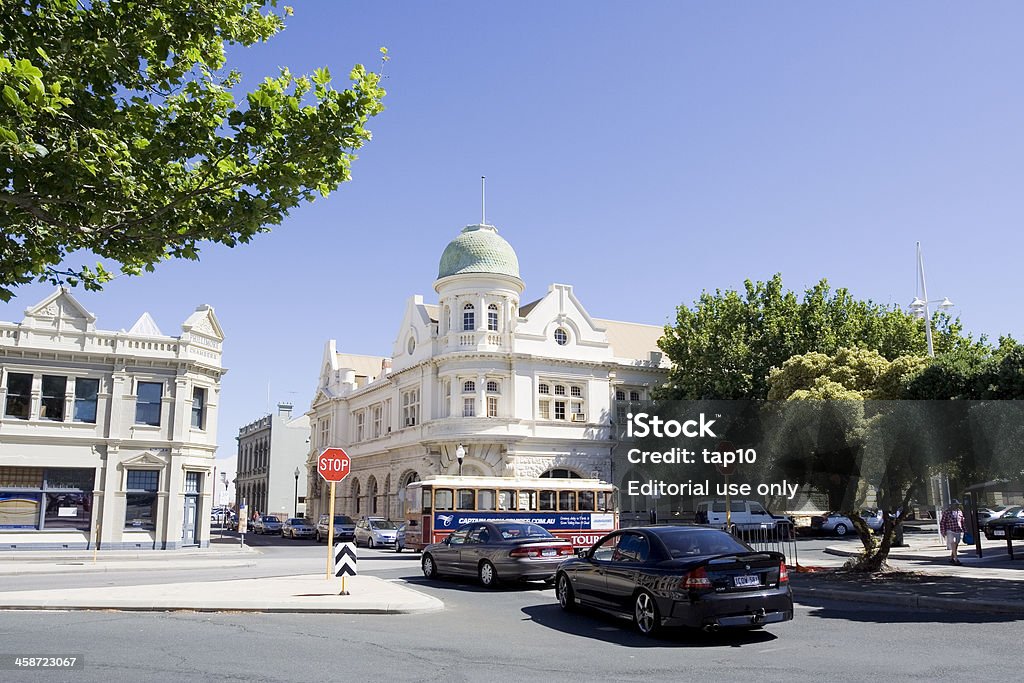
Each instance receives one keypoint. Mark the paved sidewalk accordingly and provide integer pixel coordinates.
(308, 593)
(14, 563)
(924, 578)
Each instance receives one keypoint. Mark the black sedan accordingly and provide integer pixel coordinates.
(678, 576)
(1008, 525)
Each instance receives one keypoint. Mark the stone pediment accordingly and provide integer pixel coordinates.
(203, 323)
(146, 459)
(60, 305)
(322, 396)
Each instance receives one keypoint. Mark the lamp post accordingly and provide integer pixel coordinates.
(296, 491)
(460, 455)
(919, 307)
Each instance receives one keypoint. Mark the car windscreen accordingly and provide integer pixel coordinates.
(383, 525)
(692, 543)
(342, 519)
(512, 530)
(271, 519)
(295, 520)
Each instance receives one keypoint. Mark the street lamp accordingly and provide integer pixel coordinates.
(460, 455)
(296, 491)
(919, 307)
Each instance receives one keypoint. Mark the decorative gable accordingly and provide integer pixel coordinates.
(60, 311)
(144, 460)
(203, 328)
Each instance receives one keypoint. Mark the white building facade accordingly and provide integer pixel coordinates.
(271, 465)
(528, 390)
(106, 438)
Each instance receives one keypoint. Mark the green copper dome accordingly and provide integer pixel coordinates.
(478, 249)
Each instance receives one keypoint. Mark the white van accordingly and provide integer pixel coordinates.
(744, 516)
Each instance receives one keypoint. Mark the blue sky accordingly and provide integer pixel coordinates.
(642, 152)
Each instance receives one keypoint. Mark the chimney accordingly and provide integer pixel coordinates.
(284, 410)
(385, 367)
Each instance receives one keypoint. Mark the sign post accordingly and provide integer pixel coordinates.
(333, 464)
(725, 471)
(344, 563)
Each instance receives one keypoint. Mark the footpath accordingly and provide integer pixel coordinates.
(921, 576)
(302, 593)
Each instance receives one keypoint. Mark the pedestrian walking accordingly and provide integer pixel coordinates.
(951, 527)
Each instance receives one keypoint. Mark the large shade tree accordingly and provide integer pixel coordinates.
(725, 344)
(123, 133)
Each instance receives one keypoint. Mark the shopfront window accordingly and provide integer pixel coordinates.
(46, 498)
(140, 499)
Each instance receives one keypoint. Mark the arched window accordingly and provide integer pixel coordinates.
(560, 473)
(355, 497)
(371, 494)
(492, 317)
(620, 395)
(468, 318)
(468, 386)
(492, 386)
(544, 389)
(559, 390)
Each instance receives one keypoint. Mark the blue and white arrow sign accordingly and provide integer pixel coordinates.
(345, 559)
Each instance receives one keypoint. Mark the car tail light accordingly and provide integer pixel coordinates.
(783, 573)
(695, 580)
(538, 551)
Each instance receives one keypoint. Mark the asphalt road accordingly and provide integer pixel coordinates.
(512, 634)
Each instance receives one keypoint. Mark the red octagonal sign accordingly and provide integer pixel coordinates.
(333, 464)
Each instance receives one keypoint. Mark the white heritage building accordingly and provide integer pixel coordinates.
(106, 436)
(528, 390)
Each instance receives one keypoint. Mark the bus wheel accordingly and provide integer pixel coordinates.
(488, 577)
(429, 568)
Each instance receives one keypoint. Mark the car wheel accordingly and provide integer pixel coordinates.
(566, 595)
(841, 529)
(429, 568)
(488, 576)
(645, 614)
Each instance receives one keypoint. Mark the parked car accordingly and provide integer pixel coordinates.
(232, 523)
(266, 524)
(839, 524)
(344, 528)
(400, 538)
(297, 527)
(497, 551)
(666, 576)
(744, 516)
(374, 532)
(1010, 524)
(989, 513)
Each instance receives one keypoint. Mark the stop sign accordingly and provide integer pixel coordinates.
(333, 464)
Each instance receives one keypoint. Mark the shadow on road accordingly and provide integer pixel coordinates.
(600, 626)
(469, 585)
(900, 615)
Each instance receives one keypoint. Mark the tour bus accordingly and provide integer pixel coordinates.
(579, 510)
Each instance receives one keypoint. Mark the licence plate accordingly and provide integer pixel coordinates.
(549, 552)
(999, 532)
(747, 581)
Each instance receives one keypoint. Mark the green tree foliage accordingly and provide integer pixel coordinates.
(859, 436)
(973, 372)
(120, 133)
(725, 345)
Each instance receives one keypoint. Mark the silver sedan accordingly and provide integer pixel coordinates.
(497, 551)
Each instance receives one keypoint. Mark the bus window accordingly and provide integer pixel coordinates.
(527, 500)
(506, 500)
(428, 505)
(467, 499)
(604, 501)
(587, 500)
(567, 501)
(443, 499)
(412, 504)
(485, 499)
(547, 500)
